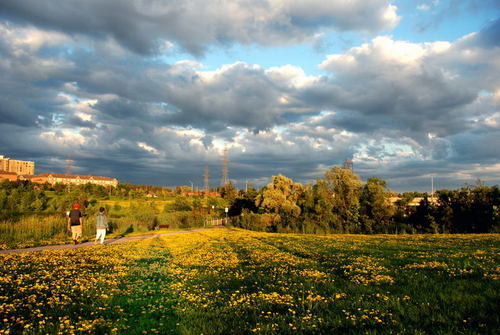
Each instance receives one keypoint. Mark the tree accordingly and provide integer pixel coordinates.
(424, 217)
(472, 209)
(245, 201)
(343, 186)
(326, 219)
(280, 199)
(228, 192)
(181, 203)
(375, 208)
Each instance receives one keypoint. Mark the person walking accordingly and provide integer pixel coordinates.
(75, 223)
(101, 225)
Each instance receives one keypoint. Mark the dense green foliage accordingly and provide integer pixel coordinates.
(33, 215)
(339, 203)
(24, 198)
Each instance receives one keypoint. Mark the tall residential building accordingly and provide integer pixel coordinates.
(19, 167)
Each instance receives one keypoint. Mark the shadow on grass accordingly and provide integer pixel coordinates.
(147, 305)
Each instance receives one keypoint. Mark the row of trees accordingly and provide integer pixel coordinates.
(24, 198)
(340, 203)
(337, 203)
(20, 197)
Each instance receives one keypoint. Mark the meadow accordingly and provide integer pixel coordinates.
(126, 218)
(233, 281)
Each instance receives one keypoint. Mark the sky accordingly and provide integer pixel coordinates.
(151, 92)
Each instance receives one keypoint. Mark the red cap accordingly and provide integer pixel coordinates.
(76, 206)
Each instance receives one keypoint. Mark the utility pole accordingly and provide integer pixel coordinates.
(432, 187)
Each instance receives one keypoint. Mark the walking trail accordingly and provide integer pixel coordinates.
(106, 242)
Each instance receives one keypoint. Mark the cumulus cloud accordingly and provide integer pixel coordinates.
(415, 87)
(401, 110)
(146, 26)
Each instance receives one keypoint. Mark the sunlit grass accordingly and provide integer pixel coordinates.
(231, 281)
(41, 230)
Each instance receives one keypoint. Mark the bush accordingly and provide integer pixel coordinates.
(254, 221)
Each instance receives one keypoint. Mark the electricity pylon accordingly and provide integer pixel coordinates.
(206, 177)
(225, 168)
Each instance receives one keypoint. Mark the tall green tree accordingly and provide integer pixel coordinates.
(228, 192)
(244, 201)
(375, 209)
(423, 219)
(344, 188)
(280, 199)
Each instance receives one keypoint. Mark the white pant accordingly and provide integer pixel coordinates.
(101, 233)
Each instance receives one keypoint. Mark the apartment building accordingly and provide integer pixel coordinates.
(16, 166)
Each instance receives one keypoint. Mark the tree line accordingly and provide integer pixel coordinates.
(21, 198)
(341, 203)
(337, 203)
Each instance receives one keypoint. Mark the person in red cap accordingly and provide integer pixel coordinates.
(75, 223)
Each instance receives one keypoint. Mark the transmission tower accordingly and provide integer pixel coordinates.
(348, 165)
(225, 168)
(69, 165)
(206, 177)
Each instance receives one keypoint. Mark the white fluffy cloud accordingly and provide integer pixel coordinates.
(416, 87)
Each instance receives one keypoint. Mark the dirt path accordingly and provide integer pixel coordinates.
(106, 242)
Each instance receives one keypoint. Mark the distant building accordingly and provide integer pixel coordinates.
(12, 176)
(59, 178)
(18, 167)
(415, 201)
(201, 194)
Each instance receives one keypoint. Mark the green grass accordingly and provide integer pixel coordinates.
(125, 203)
(286, 284)
(231, 281)
(125, 216)
(40, 230)
(148, 306)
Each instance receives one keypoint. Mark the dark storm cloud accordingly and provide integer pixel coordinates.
(77, 122)
(12, 112)
(356, 122)
(94, 18)
(143, 26)
(239, 95)
(490, 36)
(122, 109)
(475, 147)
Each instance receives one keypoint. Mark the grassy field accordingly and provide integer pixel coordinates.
(231, 281)
(127, 219)
(52, 229)
(157, 204)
